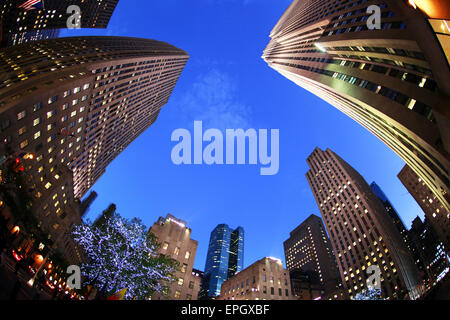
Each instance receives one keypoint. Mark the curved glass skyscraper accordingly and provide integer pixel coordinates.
(224, 259)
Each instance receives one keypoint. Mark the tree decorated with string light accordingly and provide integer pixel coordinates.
(122, 254)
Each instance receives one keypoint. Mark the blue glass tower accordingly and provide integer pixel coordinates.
(225, 257)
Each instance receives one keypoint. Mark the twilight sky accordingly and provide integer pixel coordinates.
(227, 85)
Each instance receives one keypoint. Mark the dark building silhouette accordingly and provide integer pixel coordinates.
(429, 252)
(86, 203)
(306, 285)
(53, 15)
(392, 213)
(434, 210)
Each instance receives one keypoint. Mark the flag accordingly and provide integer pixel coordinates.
(31, 5)
(118, 296)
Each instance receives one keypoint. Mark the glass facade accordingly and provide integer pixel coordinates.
(225, 257)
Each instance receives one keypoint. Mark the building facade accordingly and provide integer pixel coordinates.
(266, 279)
(36, 35)
(308, 249)
(14, 21)
(176, 243)
(225, 257)
(392, 213)
(361, 232)
(69, 106)
(434, 210)
(392, 78)
(430, 252)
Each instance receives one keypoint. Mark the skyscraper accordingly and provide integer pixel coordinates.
(392, 213)
(308, 248)
(392, 78)
(74, 104)
(224, 259)
(176, 243)
(430, 251)
(53, 15)
(361, 232)
(434, 210)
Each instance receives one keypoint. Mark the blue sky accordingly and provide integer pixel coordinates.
(226, 84)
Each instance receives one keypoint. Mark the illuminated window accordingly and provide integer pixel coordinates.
(21, 115)
(23, 144)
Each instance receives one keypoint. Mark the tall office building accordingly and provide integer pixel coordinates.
(429, 252)
(53, 15)
(361, 232)
(176, 243)
(394, 80)
(392, 213)
(74, 104)
(308, 248)
(224, 259)
(434, 210)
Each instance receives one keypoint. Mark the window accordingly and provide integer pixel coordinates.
(86, 86)
(75, 102)
(5, 124)
(188, 297)
(76, 90)
(191, 284)
(264, 289)
(21, 115)
(66, 93)
(37, 135)
(22, 130)
(177, 294)
(184, 267)
(176, 251)
(23, 144)
(51, 114)
(37, 106)
(187, 255)
(52, 99)
(272, 291)
(180, 281)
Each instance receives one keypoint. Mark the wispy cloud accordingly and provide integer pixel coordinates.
(212, 98)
